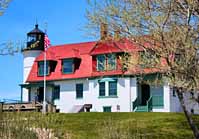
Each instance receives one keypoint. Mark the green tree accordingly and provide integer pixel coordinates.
(168, 30)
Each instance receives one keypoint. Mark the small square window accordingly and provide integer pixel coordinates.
(107, 109)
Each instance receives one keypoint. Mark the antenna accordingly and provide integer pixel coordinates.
(36, 21)
(45, 27)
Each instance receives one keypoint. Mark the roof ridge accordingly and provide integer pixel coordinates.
(74, 43)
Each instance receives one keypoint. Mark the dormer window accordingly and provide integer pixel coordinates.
(41, 68)
(101, 62)
(67, 66)
(111, 62)
(106, 62)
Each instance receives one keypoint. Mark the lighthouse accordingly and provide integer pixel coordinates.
(34, 46)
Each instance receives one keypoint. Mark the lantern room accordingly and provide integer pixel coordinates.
(35, 39)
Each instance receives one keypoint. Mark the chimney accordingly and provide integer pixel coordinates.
(103, 31)
(116, 34)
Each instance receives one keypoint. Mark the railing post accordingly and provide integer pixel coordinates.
(149, 104)
(135, 104)
(1, 106)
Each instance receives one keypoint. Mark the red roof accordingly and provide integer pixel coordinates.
(113, 47)
(83, 51)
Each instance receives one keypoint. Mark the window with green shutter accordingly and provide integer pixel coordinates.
(157, 96)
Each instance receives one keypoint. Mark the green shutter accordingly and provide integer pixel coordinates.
(157, 96)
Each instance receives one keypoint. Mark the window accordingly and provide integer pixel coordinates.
(102, 89)
(113, 88)
(67, 66)
(107, 109)
(111, 62)
(111, 85)
(192, 111)
(56, 93)
(79, 90)
(174, 92)
(192, 95)
(157, 96)
(106, 62)
(101, 62)
(41, 68)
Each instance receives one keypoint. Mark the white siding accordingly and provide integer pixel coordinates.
(134, 92)
(91, 95)
(126, 94)
(28, 60)
(191, 103)
(175, 103)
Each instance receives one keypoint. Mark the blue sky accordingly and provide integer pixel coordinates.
(65, 19)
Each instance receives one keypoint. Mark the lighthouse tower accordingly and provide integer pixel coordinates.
(35, 45)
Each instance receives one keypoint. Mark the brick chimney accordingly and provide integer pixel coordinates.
(103, 31)
(116, 35)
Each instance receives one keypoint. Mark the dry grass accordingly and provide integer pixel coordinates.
(94, 126)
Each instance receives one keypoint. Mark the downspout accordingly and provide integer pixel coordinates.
(21, 93)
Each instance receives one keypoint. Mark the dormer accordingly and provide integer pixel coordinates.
(70, 65)
(70, 62)
(50, 67)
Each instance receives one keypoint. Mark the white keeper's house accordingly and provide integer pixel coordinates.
(89, 76)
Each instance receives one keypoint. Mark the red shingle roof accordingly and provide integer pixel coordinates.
(83, 51)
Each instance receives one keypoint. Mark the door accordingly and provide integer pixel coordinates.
(145, 91)
(40, 94)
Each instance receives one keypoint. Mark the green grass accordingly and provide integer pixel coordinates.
(110, 125)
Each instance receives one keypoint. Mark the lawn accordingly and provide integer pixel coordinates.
(109, 125)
